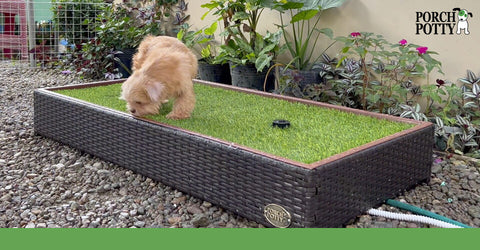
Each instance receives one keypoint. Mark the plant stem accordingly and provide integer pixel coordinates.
(427, 110)
(316, 59)
(365, 83)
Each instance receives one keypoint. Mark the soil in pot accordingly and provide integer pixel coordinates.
(214, 72)
(247, 76)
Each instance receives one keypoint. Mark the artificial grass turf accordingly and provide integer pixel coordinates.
(245, 119)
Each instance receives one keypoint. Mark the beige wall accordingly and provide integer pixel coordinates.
(395, 20)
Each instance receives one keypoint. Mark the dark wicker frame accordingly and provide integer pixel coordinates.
(328, 193)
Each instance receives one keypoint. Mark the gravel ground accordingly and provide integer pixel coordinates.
(44, 184)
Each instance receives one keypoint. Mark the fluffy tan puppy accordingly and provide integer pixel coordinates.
(163, 69)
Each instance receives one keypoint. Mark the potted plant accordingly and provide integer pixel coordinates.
(305, 34)
(121, 27)
(204, 44)
(248, 52)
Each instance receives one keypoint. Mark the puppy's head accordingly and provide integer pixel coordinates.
(142, 94)
(463, 15)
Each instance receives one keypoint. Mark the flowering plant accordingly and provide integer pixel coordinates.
(386, 67)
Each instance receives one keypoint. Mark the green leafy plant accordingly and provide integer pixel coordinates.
(242, 43)
(471, 96)
(304, 21)
(386, 67)
(122, 27)
(391, 71)
(238, 52)
(201, 41)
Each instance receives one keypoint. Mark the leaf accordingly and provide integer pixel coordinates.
(405, 107)
(267, 49)
(469, 105)
(244, 46)
(417, 108)
(262, 61)
(327, 32)
(471, 76)
(345, 50)
(240, 16)
(205, 52)
(289, 5)
(439, 121)
(471, 143)
(464, 80)
(340, 61)
(180, 34)
(461, 120)
(467, 94)
(304, 15)
(210, 5)
(475, 89)
(327, 4)
(211, 30)
(416, 116)
(406, 114)
(458, 152)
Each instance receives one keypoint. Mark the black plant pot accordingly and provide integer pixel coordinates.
(219, 73)
(304, 77)
(123, 61)
(247, 76)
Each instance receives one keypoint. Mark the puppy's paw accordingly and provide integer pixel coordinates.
(174, 116)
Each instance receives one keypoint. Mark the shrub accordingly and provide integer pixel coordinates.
(376, 75)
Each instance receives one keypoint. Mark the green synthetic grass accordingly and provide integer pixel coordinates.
(245, 119)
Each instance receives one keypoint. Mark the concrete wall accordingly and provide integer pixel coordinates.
(395, 20)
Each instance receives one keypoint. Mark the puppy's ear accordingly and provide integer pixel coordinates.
(122, 93)
(154, 90)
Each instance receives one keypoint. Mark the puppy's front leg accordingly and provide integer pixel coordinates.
(183, 104)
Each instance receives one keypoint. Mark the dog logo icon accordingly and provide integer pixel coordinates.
(462, 21)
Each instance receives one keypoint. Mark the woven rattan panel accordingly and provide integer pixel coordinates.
(354, 184)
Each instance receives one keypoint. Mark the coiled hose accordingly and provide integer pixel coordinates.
(411, 217)
(424, 217)
(420, 211)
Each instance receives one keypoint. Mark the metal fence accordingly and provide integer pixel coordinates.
(44, 33)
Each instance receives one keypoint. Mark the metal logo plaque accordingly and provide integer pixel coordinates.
(277, 215)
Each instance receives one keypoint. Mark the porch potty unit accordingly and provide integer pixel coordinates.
(266, 188)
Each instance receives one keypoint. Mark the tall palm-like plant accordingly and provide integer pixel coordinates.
(305, 18)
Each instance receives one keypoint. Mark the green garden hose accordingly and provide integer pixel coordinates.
(420, 211)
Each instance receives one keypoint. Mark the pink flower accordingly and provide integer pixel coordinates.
(403, 42)
(355, 34)
(422, 50)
